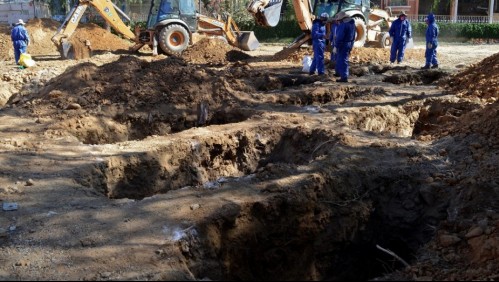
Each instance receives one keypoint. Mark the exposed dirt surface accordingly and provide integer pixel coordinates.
(42, 30)
(230, 165)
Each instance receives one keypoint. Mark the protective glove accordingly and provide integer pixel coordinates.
(334, 50)
(430, 45)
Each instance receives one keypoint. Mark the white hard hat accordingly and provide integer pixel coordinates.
(341, 15)
(20, 21)
(325, 15)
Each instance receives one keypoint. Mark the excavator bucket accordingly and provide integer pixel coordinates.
(268, 16)
(272, 15)
(66, 49)
(247, 41)
(74, 49)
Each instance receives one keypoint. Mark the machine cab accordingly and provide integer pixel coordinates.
(332, 7)
(173, 10)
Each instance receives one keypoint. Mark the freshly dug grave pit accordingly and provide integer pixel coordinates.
(328, 201)
(406, 76)
(320, 220)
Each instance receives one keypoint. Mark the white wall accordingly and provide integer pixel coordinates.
(12, 12)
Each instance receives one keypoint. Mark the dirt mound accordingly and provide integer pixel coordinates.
(358, 55)
(483, 122)
(99, 38)
(139, 96)
(382, 55)
(6, 49)
(466, 115)
(293, 56)
(478, 80)
(41, 32)
(213, 51)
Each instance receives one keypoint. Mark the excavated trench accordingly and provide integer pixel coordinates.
(326, 227)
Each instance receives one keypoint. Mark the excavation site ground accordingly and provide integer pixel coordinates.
(230, 165)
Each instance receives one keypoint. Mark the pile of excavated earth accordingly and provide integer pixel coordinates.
(225, 165)
(42, 30)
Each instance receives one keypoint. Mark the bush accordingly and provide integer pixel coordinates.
(467, 30)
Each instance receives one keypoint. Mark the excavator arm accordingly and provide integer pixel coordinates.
(107, 9)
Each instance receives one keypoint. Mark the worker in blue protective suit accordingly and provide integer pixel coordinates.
(400, 32)
(431, 43)
(334, 50)
(20, 39)
(345, 37)
(318, 44)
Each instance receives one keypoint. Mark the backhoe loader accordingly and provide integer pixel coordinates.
(173, 25)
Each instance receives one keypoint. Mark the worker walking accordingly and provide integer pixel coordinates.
(318, 44)
(400, 32)
(20, 39)
(345, 38)
(431, 43)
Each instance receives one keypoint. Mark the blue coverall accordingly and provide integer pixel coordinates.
(20, 40)
(431, 42)
(401, 32)
(345, 37)
(332, 37)
(319, 46)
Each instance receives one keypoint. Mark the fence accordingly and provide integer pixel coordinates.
(460, 19)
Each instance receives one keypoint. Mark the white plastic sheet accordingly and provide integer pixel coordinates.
(307, 62)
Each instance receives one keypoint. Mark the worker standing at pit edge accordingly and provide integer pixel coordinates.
(400, 32)
(319, 44)
(20, 39)
(334, 50)
(431, 43)
(345, 38)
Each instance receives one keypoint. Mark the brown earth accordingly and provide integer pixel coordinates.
(42, 30)
(232, 165)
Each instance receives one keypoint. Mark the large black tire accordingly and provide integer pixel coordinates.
(173, 39)
(360, 26)
(385, 41)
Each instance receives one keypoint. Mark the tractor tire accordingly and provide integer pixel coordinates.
(173, 39)
(385, 41)
(360, 26)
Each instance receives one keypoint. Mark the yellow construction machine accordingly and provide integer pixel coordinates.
(171, 24)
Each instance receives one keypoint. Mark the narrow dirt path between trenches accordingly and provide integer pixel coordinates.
(240, 168)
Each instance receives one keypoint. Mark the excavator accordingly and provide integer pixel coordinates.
(172, 24)
(368, 21)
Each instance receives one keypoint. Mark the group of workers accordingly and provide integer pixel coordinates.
(342, 38)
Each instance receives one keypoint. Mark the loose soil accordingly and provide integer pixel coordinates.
(230, 165)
